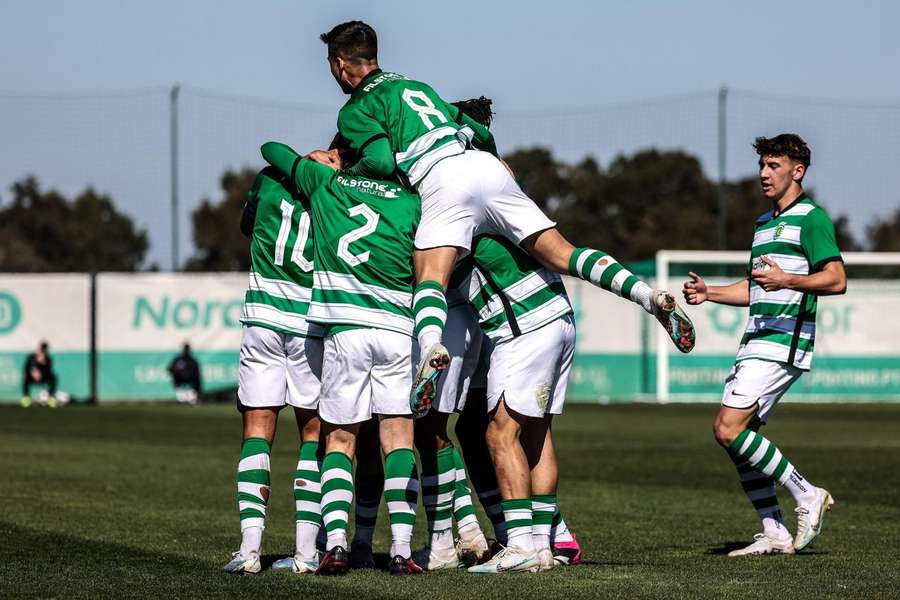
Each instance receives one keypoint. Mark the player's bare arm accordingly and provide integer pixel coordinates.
(830, 281)
(697, 292)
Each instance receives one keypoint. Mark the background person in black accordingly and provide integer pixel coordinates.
(185, 372)
(39, 370)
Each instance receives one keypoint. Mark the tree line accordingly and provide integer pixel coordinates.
(638, 204)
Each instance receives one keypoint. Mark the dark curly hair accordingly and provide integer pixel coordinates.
(477, 108)
(354, 40)
(786, 144)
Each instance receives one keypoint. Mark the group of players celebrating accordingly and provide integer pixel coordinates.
(402, 275)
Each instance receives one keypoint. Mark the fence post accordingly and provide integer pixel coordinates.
(723, 201)
(173, 169)
(93, 338)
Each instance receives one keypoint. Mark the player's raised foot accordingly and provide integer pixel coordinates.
(545, 560)
(297, 564)
(433, 361)
(811, 518)
(404, 566)
(435, 559)
(567, 554)
(674, 320)
(361, 556)
(510, 559)
(473, 552)
(765, 544)
(335, 562)
(244, 565)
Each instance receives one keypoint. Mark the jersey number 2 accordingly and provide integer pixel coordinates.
(287, 212)
(348, 238)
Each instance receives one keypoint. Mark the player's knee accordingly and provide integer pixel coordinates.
(725, 433)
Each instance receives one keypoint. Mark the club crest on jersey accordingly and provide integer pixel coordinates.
(779, 229)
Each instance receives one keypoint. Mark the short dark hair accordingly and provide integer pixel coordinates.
(786, 144)
(349, 156)
(353, 40)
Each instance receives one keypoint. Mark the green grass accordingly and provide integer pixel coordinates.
(138, 501)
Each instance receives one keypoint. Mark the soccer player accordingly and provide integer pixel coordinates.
(794, 260)
(280, 365)
(362, 293)
(403, 128)
(524, 310)
(39, 370)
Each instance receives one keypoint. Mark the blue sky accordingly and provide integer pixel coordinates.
(527, 56)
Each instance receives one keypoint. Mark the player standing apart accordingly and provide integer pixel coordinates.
(281, 365)
(794, 260)
(402, 128)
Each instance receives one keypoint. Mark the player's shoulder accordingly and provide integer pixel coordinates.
(266, 180)
(377, 83)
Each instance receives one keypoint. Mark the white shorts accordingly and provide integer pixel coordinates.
(473, 193)
(278, 369)
(462, 338)
(758, 382)
(530, 373)
(365, 372)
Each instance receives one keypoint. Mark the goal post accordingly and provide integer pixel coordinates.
(857, 354)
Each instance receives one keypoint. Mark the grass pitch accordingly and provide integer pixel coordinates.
(139, 501)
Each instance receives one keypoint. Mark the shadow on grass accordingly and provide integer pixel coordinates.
(727, 547)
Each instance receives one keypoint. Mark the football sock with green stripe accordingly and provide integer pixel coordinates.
(401, 493)
(368, 500)
(430, 313)
(307, 499)
(543, 507)
(760, 490)
(604, 271)
(765, 457)
(438, 489)
(517, 513)
(559, 531)
(253, 485)
(337, 494)
(463, 509)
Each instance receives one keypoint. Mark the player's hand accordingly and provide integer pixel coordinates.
(695, 290)
(773, 278)
(324, 157)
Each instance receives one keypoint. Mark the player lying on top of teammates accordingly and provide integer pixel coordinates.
(403, 128)
(280, 365)
(794, 260)
(362, 293)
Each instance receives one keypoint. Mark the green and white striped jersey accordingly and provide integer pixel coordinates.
(782, 324)
(365, 229)
(512, 293)
(281, 267)
(421, 128)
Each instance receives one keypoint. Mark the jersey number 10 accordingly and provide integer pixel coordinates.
(287, 212)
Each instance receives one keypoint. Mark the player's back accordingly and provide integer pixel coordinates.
(281, 267)
(511, 291)
(363, 253)
(417, 122)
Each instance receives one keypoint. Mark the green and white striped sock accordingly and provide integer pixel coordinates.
(401, 492)
(760, 489)
(765, 457)
(368, 500)
(543, 507)
(438, 488)
(337, 494)
(517, 513)
(430, 312)
(307, 499)
(493, 508)
(559, 531)
(463, 509)
(253, 484)
(604, 271)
